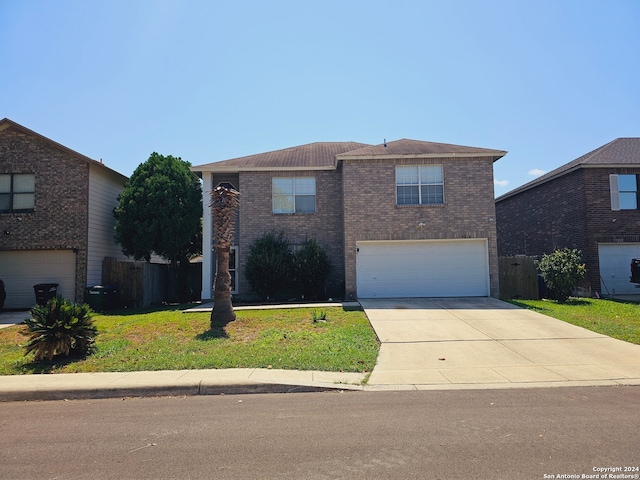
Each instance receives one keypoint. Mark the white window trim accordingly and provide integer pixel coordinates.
(419, 185)
(234, 283)
(293, 179)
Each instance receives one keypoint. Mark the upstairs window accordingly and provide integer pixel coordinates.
(419, 185)
(624, 192)
(17, 192)
(294, 195)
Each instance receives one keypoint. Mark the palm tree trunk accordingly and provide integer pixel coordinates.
(222, 312)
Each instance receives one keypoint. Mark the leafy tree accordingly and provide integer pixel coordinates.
(311, 267)
(269, 265)
(159, 212)
(562, 270)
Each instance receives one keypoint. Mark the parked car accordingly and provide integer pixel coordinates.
(635, 270)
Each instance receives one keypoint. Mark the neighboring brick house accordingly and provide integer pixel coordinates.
(591, 204)
(403, 219)
(56, 220)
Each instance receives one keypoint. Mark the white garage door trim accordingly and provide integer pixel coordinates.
(422, 268)
(614, 260)
(20, 270)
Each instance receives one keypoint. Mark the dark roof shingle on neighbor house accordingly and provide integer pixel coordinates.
(621, 152)
(324, 155)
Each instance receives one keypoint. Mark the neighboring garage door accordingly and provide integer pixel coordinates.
(430, 268)
(615, 260)
(21, 270)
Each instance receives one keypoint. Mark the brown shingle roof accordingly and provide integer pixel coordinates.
(312, 156)
(324, 155)
(418, 148)
(621, 152)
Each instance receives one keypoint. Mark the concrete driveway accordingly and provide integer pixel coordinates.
(11, 318)
(443, 343)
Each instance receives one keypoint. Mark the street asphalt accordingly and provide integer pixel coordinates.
(426, 344)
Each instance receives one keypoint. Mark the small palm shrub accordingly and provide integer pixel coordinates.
(562, 270)
(60, 328)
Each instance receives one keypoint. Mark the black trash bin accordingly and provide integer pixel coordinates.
(101, 297)
(635, 270)
(45, 292)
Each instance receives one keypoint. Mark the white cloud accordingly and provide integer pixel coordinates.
(501, 183)
(536, 172)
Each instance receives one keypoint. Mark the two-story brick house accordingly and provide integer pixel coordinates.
(56, 220)
(402, 219)
(591, 204)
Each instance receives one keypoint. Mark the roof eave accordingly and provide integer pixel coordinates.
(534, 183)
(213, 169)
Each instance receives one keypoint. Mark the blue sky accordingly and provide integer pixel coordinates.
(206, 80)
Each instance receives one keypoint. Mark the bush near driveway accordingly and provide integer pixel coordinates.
(562, 271)
(172, 340)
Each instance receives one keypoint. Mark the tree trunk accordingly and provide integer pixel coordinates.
(222, 312)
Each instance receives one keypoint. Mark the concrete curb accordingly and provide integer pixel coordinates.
(76, 386)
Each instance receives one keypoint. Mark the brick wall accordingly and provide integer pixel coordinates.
(325, 225)
(371, 213)
(572, 211)
(544, 218)
(61, 189)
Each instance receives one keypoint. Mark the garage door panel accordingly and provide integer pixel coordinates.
(21, 270)
(614, 261)
(422, 268)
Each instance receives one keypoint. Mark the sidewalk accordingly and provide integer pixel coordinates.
(67, 386)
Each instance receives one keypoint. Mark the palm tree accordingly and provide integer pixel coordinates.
(224, 204)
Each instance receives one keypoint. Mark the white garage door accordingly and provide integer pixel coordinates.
(614, 260)
(21, 270)
(431, 268)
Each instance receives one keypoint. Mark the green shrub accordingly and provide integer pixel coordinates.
(311, 267)
(562, 270)
(60, 328)
(269, 265)
(320, 316)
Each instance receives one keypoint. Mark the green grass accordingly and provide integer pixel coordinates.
(172, 340)
(614, 318)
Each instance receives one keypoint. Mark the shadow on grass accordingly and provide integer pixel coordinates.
(216, 331)
(571, 302)
(46, 366)
(123, 312)
(577, 302)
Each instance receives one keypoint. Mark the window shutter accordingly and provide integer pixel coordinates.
(613, 187)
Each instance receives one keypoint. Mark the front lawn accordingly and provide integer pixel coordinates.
(614, 318)
(172, 340)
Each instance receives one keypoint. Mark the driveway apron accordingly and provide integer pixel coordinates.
(479, 342)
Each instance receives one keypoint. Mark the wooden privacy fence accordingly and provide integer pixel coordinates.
(518, 278)
(142, 284)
